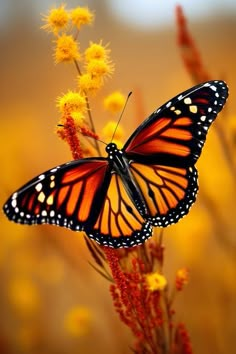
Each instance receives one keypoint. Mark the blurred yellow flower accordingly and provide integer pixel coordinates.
(109, 128)
(96, 51)
(181, 279)
(66, 49)
(23, 295)
(78, 321)
(99, 68)
(156, 281)
(56, 20)
(81, 16)
(114, 102)
(72, 102)
(89, 84)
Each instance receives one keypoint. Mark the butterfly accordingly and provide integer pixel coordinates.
(151, 181)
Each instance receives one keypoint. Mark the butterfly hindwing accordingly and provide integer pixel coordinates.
(168, 192)
(119, 223)
(175, 133)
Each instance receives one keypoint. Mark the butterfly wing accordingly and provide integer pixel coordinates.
(174, 134)
(64, 195)
(163, 150)
(119, 223)
(168, 191)
(81, 195)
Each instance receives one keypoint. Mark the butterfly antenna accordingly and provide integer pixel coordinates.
(128, 96)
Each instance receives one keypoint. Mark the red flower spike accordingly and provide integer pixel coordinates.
(141, 310)
(87, 132)
(190, 53)
(181, 278)
(182, 343)
(69, 134)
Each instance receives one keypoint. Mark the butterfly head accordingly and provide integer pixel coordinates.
(112, 150)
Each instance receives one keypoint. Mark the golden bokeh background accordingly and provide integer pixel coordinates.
(51, 300)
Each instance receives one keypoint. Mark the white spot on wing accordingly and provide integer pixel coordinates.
(39, 187)
(41, 197)
(187, 100)
(41, 177)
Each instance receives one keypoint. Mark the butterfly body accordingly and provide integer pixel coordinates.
(151, 181)
(120, 166)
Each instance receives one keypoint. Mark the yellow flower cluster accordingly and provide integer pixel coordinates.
(59, 18)
(93, 65)
(62, 22)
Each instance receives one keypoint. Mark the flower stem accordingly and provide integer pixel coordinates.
(89, 111)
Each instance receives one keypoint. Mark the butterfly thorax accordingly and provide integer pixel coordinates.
(117, 160)
(120, 165)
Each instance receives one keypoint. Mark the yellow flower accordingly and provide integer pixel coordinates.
(114, 102)
(100, 68)
(89, 84)
(56, 20)
(78, 321)
(109, 128)
(96, 51)
(72, 102)
(81, 16)
(66, 49)
(155, 281)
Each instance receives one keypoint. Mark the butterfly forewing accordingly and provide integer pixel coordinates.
(68, 195)
(175, 133)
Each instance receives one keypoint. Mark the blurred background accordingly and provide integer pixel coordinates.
(51, 300)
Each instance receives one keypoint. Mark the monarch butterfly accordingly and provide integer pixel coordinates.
(151, 181)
